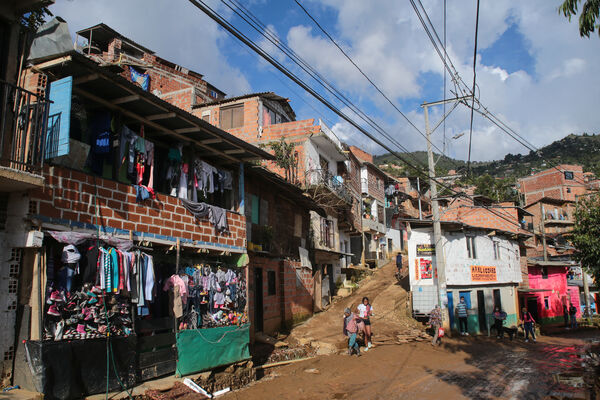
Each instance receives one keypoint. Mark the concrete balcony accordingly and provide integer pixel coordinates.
(322, 179)
(23, 126)
(370, 225)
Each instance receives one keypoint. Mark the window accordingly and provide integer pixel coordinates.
(378, 184)
(569, 175)
(496, 250)
(471, 251)
(206, 116)
(213, 94)
(271, 286)
(544, 273)
(327, 233)
(546, 303)
(231, 117)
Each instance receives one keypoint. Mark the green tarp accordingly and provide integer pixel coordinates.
(203, 349)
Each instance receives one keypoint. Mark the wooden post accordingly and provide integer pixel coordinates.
(177, 251)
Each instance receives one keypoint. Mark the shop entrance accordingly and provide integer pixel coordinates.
(481, 311)
(532, 307)
(258, 299)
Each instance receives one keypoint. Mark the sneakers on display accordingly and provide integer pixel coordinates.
(53, 310)
(80, 328)
(96, 290)
(57, 297)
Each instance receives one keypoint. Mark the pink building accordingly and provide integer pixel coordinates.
(548, 291)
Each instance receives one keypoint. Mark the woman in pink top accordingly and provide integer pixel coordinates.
(528, 324)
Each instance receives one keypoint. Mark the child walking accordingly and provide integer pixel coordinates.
(350, 329)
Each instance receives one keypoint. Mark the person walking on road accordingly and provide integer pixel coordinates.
(499, 317)
(573, 315)
(461, 311)
(350, 330)
(528, 325)
(435, 320)
(365, 311)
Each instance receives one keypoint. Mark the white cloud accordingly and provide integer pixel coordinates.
(389, 43)
(175, 30)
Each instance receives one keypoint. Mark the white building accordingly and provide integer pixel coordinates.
(482, 265)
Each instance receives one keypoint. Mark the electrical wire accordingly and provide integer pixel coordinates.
(260, 51)
(260, 27)
(473, 91)
(365, 75)
(477, 106)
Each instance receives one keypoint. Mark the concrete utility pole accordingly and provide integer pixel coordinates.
(586, 293)
(440, 261)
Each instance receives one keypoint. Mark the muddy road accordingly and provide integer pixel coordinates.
(461, 368)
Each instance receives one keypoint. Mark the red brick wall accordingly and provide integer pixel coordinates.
(68, 197)
(290, 302)
(552, 183)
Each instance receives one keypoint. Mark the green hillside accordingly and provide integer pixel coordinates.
(573, 149)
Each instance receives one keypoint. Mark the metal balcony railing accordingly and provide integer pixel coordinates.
(321, 177)
(23, 125)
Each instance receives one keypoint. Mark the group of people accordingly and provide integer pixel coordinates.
(527, 321)
(354, 323)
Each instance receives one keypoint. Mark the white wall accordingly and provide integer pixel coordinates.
(396, 236)
(313, 152)
(458, 265)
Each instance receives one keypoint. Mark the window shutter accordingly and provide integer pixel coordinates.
(237, 119)
(59, 118)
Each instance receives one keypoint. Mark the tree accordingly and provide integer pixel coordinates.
(590, 13)
(32, 20)
(586, 234)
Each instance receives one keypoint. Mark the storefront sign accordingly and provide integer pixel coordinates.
(480, 273)
(425, 250)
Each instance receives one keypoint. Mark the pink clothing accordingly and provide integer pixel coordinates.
(175, 280)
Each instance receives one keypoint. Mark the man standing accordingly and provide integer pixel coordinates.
(461, 311)
(566, 316)
(573, 314)
(435, 320)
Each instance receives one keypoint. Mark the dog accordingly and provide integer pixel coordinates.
(511, 331)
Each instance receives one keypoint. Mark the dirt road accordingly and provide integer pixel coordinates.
(391, 315)
(462, 368)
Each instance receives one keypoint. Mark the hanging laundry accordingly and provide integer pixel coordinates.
(217, 216)
(143, 80)
(101, 130)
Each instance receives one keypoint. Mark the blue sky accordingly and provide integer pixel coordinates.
(533, 69)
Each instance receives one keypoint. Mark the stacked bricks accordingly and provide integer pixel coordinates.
(68, 198)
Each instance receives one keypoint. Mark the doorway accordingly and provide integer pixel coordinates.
(258, 300)
(497, 299)
(481, 311)
(532, 307)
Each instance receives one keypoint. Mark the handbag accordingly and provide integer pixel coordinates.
(441, 332)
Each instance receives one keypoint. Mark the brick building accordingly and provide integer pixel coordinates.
(281, 283)
(86, 188)
(320, 166)
(565, 182)
(372, 183)
(173, 83)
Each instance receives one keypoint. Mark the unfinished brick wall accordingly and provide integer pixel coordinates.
(69, 198)
(552, 183)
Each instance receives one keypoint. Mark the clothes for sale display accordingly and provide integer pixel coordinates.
(88, 264)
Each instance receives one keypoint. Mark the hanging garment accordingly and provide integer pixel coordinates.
(88, 265)
(183, 182)
(175, 280)
(149, 281)
(207, 174)
(226, 180)
(143, 80)
(100, 128)
(216, 215)
(150, 163)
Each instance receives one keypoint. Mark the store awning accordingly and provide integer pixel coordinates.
(531, 290)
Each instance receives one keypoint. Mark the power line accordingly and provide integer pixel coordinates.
(250, 43)
(306, 67)
(473, 91)
(363, 73)
(458, 80)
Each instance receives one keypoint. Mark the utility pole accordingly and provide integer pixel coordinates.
(440, 261)
(586, 293)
